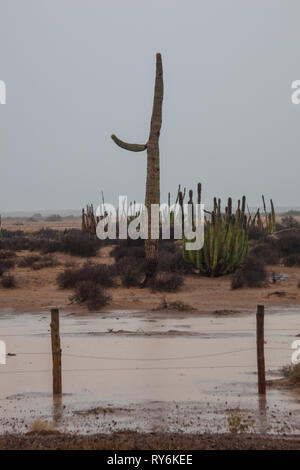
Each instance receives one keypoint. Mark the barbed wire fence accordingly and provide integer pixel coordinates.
(57, 371)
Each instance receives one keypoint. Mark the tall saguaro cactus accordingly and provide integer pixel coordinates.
(153, 168)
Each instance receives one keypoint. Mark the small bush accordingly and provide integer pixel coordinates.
(73, 241)
(255, 233)
(45, 262)
(47, 234)
(128, 251)
(132, 277)
(252, 273)
(169, 261)
(6, 261)
(237, 280)
(292, 260)
(292, 373)
(14, 240)
(37, 262)
(170, 257)
(92, 293)
(5, 265)
(9, 234)
(266, 253)
(238, 421)
(78, 243)
(99, 273)
(130, 270)
(166, 282)
(8, 281)
(41, 427)
(29, 260)
(288, 243)
(4, 255)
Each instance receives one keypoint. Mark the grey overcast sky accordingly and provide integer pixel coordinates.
(79, 70)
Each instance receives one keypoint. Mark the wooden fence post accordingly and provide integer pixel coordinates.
(56, 352)
(260, 349)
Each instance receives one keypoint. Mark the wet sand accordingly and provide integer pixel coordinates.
(147, 372)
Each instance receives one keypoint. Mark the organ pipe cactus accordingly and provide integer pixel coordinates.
(225, 240)
(153, 168)
(270, 219)
(89, 221)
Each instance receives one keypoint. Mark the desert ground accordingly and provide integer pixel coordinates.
(37, 290)
(143, 370)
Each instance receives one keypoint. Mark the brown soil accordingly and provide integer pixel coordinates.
(129, 440)
(37, 290)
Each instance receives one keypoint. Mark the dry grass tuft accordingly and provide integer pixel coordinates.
(42, 427)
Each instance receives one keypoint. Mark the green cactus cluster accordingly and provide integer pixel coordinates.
(225, 241)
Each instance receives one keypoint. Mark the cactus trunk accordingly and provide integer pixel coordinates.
(153, 167)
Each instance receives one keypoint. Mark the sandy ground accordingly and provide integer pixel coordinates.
(37, 291)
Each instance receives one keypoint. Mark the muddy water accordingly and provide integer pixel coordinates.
(147, 371)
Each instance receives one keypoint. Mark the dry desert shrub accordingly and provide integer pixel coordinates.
(8, 281)
(99, 273)
(5, 265)
(255, 233)
(130, 270)
(41, 427)
(37, 261)
(288, 243)
(292, 260)
(166, 282)
(238, 421)
(252, 273)
(72, 241)
(266, 253)
(292, 373)
(91, 293)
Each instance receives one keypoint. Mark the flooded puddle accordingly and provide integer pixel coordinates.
(146, 371)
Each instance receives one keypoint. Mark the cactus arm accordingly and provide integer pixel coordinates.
(127, 146)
